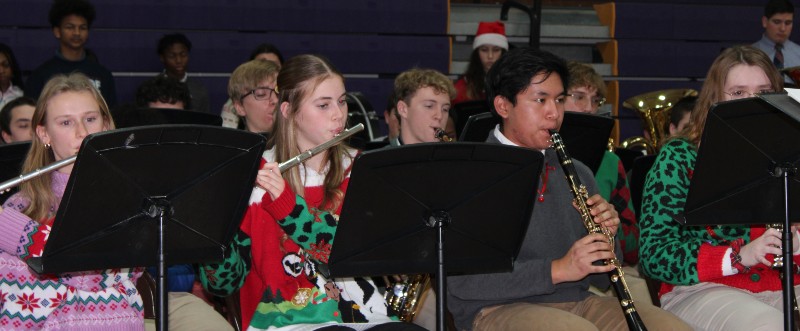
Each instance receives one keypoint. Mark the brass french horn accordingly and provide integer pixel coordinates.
(654, 110)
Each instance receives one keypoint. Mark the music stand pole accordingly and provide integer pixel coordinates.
(787, 281)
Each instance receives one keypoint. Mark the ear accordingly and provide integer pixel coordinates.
(6, 137)
(57, 32)
(764, 21)
(41, 132)
(285, 109)
(238, 108)
(502, 106)
(163, 60)
(672, 129)
(402, 109)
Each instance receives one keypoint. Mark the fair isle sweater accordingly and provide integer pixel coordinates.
(90, 300)
(275, 260)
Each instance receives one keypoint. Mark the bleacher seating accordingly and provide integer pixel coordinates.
(370, 41)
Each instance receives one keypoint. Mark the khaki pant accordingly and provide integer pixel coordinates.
(593, 313)
(188, 312)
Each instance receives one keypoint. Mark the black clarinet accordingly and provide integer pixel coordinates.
(777, 264)
(581, 194)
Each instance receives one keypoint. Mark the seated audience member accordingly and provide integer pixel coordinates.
(71, 21)
(714, 277)
(777, 22)
(262, 52)
(681, 114)
(254, 91)
(423, 104)
(290, 225)
(15, 120)
(173, 50)
(10, 76)
(489, 45)
(549, 286)
(163, 92)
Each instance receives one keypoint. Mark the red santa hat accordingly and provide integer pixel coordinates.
(491, 33)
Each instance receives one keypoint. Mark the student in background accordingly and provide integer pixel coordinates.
(173, 50)
(265, 51)
(10, 76)
(71, 21)
(15, 120)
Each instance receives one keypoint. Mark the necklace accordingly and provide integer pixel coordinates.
(547, 169)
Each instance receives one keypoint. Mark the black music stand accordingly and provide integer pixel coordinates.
(587, 137)
(400, 201)
(11, 158)
(131, 189)
(478, 127)
(131, 116)
(462, 111)
(746, 171)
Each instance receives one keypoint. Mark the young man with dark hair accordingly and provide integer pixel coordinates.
(15, 119)
(173, 50)
(549, 286)
(777, 23)
(71, 20)
(681, 114)
(163, 92)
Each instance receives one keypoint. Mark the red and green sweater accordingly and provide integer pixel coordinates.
(275, 258)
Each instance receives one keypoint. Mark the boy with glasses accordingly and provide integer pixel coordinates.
(254, 92)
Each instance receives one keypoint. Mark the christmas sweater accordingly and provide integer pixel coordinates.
(275, 260)
(612, 183)
(687, 255)
(89, 300)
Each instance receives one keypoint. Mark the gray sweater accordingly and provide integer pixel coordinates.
(555, 226)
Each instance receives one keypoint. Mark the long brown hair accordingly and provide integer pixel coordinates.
(39, 190)
(298, 78)
(712, 91)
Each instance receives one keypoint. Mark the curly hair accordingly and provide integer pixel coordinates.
(64, 8)
(163, 89)
(171, 39)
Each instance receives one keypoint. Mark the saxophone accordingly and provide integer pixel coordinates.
(581, 194)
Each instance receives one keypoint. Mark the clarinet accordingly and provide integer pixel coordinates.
(777, 264)
(581, 194)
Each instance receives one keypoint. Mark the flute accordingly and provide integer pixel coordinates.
(299, 158)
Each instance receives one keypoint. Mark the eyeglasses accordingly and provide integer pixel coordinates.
(740, 94)
(583, 99)
(261, 93)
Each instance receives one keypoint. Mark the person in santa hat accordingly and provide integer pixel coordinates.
(489, 45)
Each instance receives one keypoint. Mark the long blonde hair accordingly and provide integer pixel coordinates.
(298, 78)
(39, 190)
(712, 91)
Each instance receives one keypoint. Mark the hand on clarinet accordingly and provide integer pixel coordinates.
(269, 178)
(603, 213)
(755, 252)
(579, 261)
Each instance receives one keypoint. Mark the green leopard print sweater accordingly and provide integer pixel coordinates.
(669, 251)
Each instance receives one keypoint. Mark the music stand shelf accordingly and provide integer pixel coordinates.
(747, 171)
(152, 195)
(402, 202)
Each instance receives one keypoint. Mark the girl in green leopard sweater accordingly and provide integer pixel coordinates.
(290, 225)
(715, 277)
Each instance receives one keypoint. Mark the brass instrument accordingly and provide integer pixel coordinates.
(581, 194)
(438, 133)
(286, 165)
(654, 110)
(405, 296)
(777, 264)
